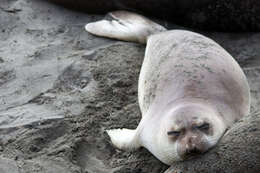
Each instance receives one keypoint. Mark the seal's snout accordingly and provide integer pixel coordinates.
(191, 145)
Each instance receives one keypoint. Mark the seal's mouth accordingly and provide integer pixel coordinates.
(192, 154)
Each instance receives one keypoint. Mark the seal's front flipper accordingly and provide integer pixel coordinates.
(125, 139)
(126, 26)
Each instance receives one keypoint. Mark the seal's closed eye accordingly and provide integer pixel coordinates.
(204, 126)
(174, 133)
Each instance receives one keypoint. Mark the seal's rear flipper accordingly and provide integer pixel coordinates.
(126, 26)
(125, 139)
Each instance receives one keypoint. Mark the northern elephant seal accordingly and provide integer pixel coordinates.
(190, 89)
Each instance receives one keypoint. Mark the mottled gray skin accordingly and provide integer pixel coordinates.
(181, 64)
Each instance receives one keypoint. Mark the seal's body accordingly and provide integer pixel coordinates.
(190, 89)
(180, 64)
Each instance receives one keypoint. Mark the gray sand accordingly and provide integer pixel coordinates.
(60, 88)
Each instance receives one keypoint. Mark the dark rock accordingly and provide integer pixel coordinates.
(217, 15)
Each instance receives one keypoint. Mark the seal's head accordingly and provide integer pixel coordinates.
(188, 130)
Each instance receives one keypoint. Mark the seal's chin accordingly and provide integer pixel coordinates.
(190, 157)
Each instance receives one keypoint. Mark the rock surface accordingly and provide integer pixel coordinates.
(221, 15)
(60, 88)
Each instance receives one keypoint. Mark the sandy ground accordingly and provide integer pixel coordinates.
(60, 88)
